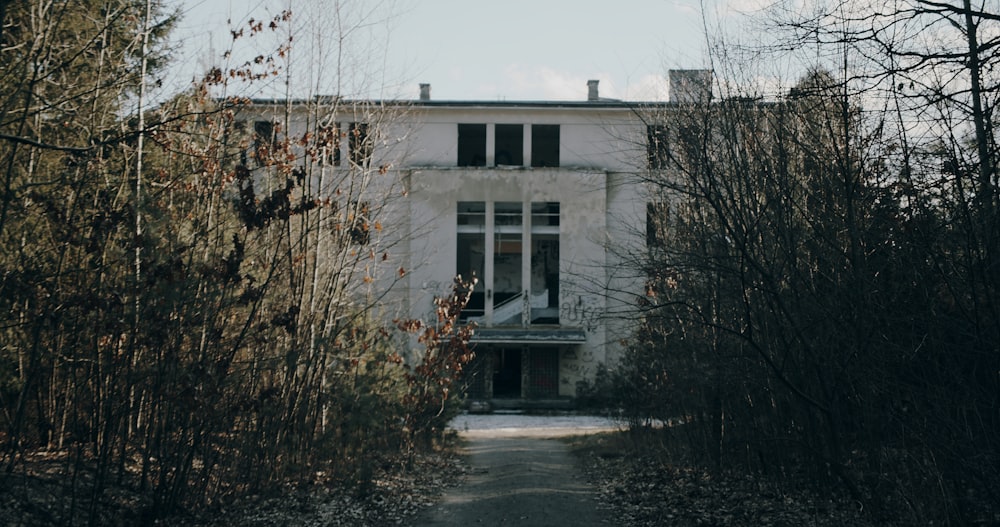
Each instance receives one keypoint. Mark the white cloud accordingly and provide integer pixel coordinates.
(648, 88)
(550, 84)
(543, 83)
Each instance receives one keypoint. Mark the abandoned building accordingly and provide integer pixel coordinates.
(537, 200)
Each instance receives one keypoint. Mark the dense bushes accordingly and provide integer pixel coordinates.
(193, 308)
(817, 306)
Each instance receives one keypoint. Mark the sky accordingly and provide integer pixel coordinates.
(484, 50)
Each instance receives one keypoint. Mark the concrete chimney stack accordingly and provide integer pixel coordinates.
(592, 90)
(425, 92)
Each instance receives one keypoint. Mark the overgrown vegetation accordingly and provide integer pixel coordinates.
(822, 289)
(193, 304)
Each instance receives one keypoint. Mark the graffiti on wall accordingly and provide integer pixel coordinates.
(576, 365)
(580, 312)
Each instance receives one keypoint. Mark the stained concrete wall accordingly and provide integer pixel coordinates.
(602, 211)
(581, 194)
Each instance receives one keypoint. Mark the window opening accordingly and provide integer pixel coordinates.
(656, 146)
(263, 141)
(509, 145)
(328, 141)
(471, 145)
(544, 263)
(471, 254)
(656, 224)
(545, 145)
(360, 144)
(508, 304)
(359, 220)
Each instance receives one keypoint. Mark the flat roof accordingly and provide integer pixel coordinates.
(599, 104)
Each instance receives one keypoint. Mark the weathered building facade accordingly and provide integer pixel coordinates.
(537, 200)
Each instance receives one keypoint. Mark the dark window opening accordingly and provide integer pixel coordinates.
(263, 141)
(359, 221)
(360, 144)
(656, 146)
(656, 224)
(545, 145)
(328, 145)
(471, 145)
(507, 373)
(544, 263)
(509, 145)
(471, 254)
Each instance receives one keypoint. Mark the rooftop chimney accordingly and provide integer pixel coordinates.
(690, 86)
(425, 92)
(592, 90)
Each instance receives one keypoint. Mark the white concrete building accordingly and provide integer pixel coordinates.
(534, 198)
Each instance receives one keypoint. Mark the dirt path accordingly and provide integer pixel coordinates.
(519, 476)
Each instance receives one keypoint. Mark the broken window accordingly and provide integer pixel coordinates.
(509, 145)
(545, 145)
(471, 145)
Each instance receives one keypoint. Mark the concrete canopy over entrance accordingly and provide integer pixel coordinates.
(554, 336)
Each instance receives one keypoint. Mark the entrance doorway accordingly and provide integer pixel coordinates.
(507, 373)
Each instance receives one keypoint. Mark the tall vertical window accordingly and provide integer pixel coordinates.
(656, 224)
(471, 253)
(517, 267)
(544, 285)
(508, 305)
(509, 145)
(360, 144)
(657, 152)
(545, 145)
(471, 145)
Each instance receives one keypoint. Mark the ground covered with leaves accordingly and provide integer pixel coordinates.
(643, 487)
(393, 496)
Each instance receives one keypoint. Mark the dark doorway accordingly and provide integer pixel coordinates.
(507, 373)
